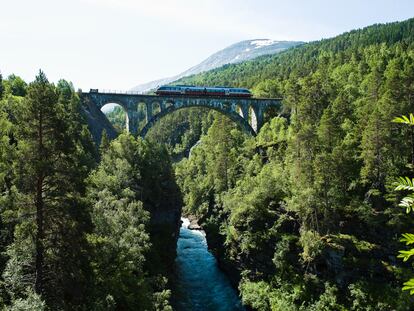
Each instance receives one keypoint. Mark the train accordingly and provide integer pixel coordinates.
(203, 91)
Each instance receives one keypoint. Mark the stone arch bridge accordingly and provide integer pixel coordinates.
(248, 113)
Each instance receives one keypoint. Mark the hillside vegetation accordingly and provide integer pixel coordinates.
(304, 216)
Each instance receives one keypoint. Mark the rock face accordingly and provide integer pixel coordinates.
(97, 122)
(194, 223)
(162, 198)
(164, 227)
(238, 52)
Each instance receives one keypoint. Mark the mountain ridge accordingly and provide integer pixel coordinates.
(235, 53)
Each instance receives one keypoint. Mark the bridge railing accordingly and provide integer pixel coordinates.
(106, 91)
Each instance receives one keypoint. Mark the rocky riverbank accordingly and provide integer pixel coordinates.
(194, 225)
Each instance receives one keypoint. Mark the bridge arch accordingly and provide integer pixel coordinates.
(116, 105)
(168, 103)
(239, 110)
(232, 114)
(253, 118)
(156, 107)
(142, 112)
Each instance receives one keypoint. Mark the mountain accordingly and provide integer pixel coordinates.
(303, 60)
(236, 53)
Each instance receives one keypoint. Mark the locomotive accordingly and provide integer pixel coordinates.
(203, 91)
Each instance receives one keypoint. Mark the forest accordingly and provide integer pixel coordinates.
(76, 226)
(303, 216)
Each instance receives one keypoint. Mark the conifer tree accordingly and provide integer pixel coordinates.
(47, 253)
(104, 142)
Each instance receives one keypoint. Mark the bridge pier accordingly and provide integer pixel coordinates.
(149, 111)
(259, 118)
(163, 105)
(245, 111)
(133, 124)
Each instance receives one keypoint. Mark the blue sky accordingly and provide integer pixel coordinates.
(117, 44)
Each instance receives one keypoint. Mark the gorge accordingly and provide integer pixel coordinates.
(302, 215)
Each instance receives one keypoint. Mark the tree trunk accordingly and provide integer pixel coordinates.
(39, 237)
(39, 204)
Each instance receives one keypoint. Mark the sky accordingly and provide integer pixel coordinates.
(117, 44)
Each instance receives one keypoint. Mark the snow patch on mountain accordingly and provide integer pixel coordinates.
(263, 42)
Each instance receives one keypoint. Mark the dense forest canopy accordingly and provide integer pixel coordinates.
(77, 228)
(304, 215)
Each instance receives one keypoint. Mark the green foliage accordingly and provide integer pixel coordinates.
(378, 297)
(181, 129)
(32, 302)
(405, 120)
(118, 118)
(120, 239)
(407, 202)
(120, 242)
(312, 245)
(15, 85)
(72, 239)
(305, 209)
(255, 295)
(327, 301)
(161, 301)
(104, 145)
(46, 212)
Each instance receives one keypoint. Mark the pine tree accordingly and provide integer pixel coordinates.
(50, 239)
(104, 145)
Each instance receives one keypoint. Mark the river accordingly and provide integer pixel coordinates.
(200, 284)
